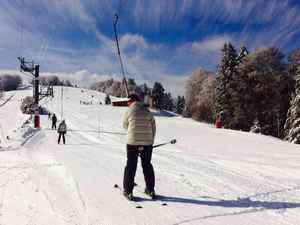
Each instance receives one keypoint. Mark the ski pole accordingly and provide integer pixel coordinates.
(173, 141)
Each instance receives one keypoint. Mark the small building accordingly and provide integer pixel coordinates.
(121, 102)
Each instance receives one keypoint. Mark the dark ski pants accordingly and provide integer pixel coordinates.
(63, 137)
(132, 159)
(53, 126)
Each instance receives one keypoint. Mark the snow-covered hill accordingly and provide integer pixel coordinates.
(211, 176)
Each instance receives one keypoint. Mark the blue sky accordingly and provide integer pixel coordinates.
(161, 40)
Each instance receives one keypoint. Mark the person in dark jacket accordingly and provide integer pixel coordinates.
(54, 121)
(140, 125)
(62, 130)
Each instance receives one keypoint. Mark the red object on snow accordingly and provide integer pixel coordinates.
(37, 121)
(218, 123)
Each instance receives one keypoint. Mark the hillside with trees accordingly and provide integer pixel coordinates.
(10, 82)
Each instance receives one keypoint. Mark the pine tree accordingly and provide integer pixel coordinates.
(264, 90)
(227, 72)
(167, 102)
(292, 124)
(157, 95)
(180, 104)
(133, 87)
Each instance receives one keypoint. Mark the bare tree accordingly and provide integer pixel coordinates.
(200, 96)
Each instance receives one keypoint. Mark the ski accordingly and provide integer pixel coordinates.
(157, 198)
(133, 202)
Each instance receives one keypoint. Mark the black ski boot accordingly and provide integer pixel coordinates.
(150, 194)
(129, 196)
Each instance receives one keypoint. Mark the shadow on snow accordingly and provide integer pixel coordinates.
(238, 203)
(238, 206)
(164, 113)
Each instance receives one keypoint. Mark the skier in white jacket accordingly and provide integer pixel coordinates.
(141, 128)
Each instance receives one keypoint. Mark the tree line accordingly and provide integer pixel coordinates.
(54, 80)
(9, 82)
(161, 99)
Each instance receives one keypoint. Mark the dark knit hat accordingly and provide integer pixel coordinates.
(134, 97)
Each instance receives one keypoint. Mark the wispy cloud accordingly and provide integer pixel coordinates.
(213, 44)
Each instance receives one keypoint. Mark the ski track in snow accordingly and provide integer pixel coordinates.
(211, 177)
(66, 201)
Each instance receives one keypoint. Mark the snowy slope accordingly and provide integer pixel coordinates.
(211, 176)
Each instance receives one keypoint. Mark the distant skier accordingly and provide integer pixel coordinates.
(54, 121)
(49, 115)
(141, 127)
(62, 130)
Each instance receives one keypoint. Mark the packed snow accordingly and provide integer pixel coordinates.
(210, 176)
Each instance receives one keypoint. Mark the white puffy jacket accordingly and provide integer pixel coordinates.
(140, 125)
